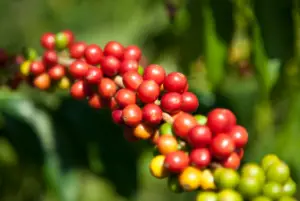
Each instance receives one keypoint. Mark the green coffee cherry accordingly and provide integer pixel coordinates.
(61, 41)
(253, 170)
(268, 160)
(227, 178)
(272, 190)
(278, 172)
(174, 185)
(207, 196)
(250, 187)
(287, 198)
(30, 54)
(166, 129)
(289, 188)
(229, 195)
(261, 198)
(201, 119)
(141, 70)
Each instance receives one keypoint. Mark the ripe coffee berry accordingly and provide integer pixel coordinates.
(48, 41)
(93, 75)
(239, 135)
(132, 80)
(125, 97)
(171, 102)
(200, 157)
(200, 136)
(190, 102)
(148, 91)
(222, 145)
(50, 57)
(167, 144)
(37, 67)
(107, 88)
(77, 49)
(117, 116)
(175, 82)
(110, 66)
(221, 120)
(94, 101)
(79, 90)
(93, 54)
(176, 161)
(152, 114)
(78, 69)
(233, 161)
(155, 72)
(114, 49)
(128, 65)
(183, 123)
(132, 52)
(42, 81)
(132, 115)
(57, 72)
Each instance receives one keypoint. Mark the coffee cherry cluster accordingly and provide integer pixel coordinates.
(193, 151)
(267, 181)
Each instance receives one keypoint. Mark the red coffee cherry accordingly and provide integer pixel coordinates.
(167, 144)
(95, 101)
(70, 36)
(132, 115)
(93, 54)
(171, 102)
(132, 52)
(190, 102)
(93, 75)
(117, 117)
(79, 90)
(78, 69)
(222, 145)
(183, 123)
(200, 157)
(132, 80)
(48, 41)
(110, 66)
(50, 57)
(220, 120)
(128, 65)
(77, 49)
(107, 88)
(125, 97)
(115, 49)
(152, 114)
(176, 162)
(155, 72)
(42, 81)
(239, 135)
(37, 67)
(233, 161)
(175, 82)
(57, 72)
(148, 91)
(200, 136)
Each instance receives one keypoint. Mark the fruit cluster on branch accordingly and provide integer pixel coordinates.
(193, 151)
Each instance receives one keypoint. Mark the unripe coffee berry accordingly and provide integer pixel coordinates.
(167, 144)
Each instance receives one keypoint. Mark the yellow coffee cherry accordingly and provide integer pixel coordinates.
(64, 83)
(190, 178)
(25, 68)
(157, 168)
(207, 180)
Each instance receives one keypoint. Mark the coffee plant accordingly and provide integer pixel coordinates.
(192, 152)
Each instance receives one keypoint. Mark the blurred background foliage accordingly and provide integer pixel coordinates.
(238, 54)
